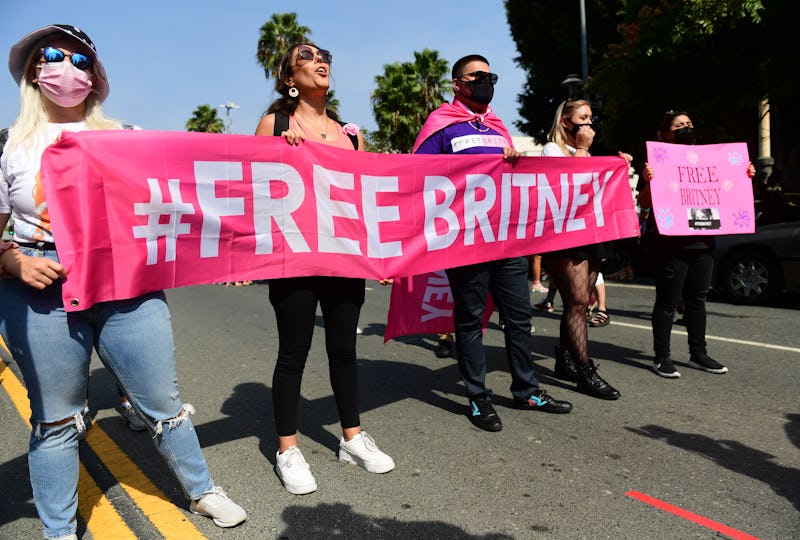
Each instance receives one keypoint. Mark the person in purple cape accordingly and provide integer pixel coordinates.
(469, 126)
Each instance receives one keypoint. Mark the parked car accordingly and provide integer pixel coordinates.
(755, 268)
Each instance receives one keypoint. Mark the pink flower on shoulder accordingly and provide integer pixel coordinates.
(350, 129)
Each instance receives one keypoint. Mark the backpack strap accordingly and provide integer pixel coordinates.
(281, 123)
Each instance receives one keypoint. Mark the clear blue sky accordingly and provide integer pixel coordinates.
(164, 58)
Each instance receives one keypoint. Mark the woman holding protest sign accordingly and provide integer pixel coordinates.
(575, 270)
(683, 265)
(301, 114)
(62, 85)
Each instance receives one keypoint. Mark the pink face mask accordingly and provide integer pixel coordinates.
(64, 84)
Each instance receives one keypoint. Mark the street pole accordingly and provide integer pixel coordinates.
(584, 55)
(764, 163)
(228, 105)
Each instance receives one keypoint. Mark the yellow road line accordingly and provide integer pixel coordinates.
(102, 519)
(97, 511)
(16, 391)
(166, 517)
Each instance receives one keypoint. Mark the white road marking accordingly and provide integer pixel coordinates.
(716, 338)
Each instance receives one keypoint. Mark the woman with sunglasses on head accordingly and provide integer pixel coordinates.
(300, 114)
(684, 267)
(62, 85)
(575, 270)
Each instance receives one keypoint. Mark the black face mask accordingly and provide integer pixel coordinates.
(576, 127)
(685, 135)
(481, 90)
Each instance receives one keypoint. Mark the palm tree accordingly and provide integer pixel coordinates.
(277, 35)
(331, 103)
(204, 119)
(405, 95)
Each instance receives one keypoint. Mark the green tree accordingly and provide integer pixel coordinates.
(683, 54)
(205, 119)
(715, 58)
(549, 49)
(406, 94)
(276, 36)
(331, 103)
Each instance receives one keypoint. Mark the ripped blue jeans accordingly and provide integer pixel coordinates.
(53, 349)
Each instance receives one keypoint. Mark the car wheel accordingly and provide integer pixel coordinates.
(751, 277)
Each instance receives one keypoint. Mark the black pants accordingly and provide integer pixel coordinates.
(295, 303)
(507, 280)
(681, 274)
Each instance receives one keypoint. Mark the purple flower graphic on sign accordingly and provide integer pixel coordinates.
(665, 219)
(660, 154)
(692, 157)
(673, 186)
(734, 158)
(727, 185)
(741, 219)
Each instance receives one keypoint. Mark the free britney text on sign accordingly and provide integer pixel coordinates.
(701, 189)
(139, 211)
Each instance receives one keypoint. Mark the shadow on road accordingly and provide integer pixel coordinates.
(339, 521)
(741, 459)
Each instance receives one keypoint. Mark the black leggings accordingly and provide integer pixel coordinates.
(681, 274)
(576, 279)
(295, 303)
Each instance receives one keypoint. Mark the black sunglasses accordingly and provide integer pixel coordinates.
(480, 75)
(79, 60)
(307, 53)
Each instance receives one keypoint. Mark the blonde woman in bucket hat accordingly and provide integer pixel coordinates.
(62, 85)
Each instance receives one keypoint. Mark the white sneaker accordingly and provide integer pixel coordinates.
(128, 413)
(361, 450)
(294, 472)
(216, 505)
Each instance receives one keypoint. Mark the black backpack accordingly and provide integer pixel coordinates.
(282, 124)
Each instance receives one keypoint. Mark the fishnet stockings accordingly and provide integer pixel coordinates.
(576, 279)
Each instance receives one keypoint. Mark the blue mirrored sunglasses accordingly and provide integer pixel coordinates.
(79, 60)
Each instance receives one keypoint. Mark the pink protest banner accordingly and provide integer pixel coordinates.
(423, 304)
(701, 189)
(139, 211)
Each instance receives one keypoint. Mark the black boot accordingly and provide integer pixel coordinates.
(565, 366)
(589, 382)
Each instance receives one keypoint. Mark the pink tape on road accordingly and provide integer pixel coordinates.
(690, 516)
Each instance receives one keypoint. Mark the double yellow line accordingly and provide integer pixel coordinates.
(102, 519)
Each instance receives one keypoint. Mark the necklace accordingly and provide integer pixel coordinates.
(322, 134)
(476, 124)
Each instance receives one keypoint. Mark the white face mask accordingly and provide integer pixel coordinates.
(64, 84)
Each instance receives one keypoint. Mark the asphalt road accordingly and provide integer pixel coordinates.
(671, 459)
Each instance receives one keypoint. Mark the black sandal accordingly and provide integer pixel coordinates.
(600, 318)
